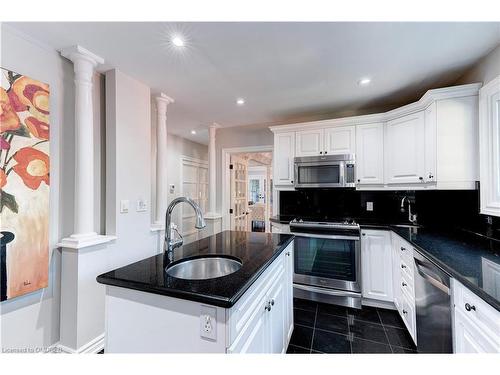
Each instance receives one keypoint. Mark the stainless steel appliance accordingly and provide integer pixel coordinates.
(329, 171)
(433, 307)
(327, 262)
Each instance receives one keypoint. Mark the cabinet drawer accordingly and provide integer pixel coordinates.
(408, 314)
(406, 269)
(405, 251)
(253, 300)
(477, 311)
(407, 285)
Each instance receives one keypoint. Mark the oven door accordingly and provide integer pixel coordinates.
(327, 261)
(319, 174)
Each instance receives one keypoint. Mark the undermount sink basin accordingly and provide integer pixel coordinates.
(204, 268)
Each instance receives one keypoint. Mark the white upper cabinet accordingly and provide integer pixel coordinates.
(489, 145)
(370, 154)
(309, 142)
(376, 265)
(340, 140)
(284, 152)
(405, 149)
(430, 143)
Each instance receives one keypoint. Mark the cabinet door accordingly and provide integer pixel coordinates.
(469, 338)
(376, 265)
(288, 259)
(284, 152)
(430, 143)
(489, 146)
(255, 338)
(370, 154)
(276, 316)
(340, 140)
(404, 149)
(309, 142)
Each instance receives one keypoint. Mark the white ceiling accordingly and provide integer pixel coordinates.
(287, 72)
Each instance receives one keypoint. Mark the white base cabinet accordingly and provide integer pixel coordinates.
(260, 322)
(376, 265)
(476, 324)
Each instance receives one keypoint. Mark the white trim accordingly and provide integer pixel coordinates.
(93, 346)
(76, 243)
(226, 177)
(429, 97)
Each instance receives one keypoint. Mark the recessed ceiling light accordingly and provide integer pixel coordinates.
(193, 132)
(364, 81)
(240, 101)
(178, 41)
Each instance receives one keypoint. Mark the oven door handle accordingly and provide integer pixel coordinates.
(326, 236)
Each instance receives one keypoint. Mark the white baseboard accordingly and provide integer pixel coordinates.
(92, 347)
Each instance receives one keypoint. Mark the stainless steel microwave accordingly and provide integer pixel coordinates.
(329, 171)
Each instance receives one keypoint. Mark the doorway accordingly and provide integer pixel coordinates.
(247, 189)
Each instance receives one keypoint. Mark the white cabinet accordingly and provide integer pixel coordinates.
(404, 283)
(476, 324)
(309, 142)
(289, 293)
(370, 154)
(284, 152)
(328, 141)
(340, 140)
(376, 265)
(430, 143)
(405, 149)
(489, 145)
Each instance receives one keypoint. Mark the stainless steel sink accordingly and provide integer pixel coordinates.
(204, 268)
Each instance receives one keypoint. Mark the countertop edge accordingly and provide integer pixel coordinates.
(195, 297)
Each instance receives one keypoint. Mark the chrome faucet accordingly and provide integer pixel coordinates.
(411, 218)
(171, 244)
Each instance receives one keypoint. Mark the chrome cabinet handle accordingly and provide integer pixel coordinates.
(268, 306)
(404, 284)
(421, 179)
(403, 249)
(321, 152)
(288, 254)
(431, 176)
(405, 312)
(470, 307)
(326, 152)
(272, 302)
(403, 266)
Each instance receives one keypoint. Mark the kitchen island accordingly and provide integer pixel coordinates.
(249, 310)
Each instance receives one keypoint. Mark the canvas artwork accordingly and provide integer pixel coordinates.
(24, 184)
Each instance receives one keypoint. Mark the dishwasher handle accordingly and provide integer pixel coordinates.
(421, 267)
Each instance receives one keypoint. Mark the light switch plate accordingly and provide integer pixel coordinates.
(369, 206)
(208, 322)
(142, 205)
(124, 206)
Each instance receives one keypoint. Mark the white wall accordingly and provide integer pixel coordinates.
(33, 320)
(485, 70)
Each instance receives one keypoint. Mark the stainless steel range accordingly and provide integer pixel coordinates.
(327, 262)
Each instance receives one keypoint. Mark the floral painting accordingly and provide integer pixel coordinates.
(24, 184)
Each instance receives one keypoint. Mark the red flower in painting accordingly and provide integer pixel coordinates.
(38, 128)
(4, 145)
(33, 167)
(8, 117)
(3, 178)
(32, 93)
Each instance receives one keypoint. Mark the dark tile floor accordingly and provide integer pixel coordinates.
(321, 328)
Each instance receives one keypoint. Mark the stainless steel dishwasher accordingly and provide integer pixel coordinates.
(433, 307)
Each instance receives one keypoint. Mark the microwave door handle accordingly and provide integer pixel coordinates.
(342, 173)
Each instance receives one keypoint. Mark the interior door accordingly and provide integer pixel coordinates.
(239, 196)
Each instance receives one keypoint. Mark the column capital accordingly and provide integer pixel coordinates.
(78, 53)
(162, 98)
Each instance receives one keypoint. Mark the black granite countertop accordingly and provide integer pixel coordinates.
(255, 250)
(465, 256)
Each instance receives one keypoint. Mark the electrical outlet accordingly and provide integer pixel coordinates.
(208, 322)
(142, 205)
(124, 206)
(369, 206)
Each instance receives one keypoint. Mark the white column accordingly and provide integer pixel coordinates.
(212, 171)
(84, 63)
(162, 102)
